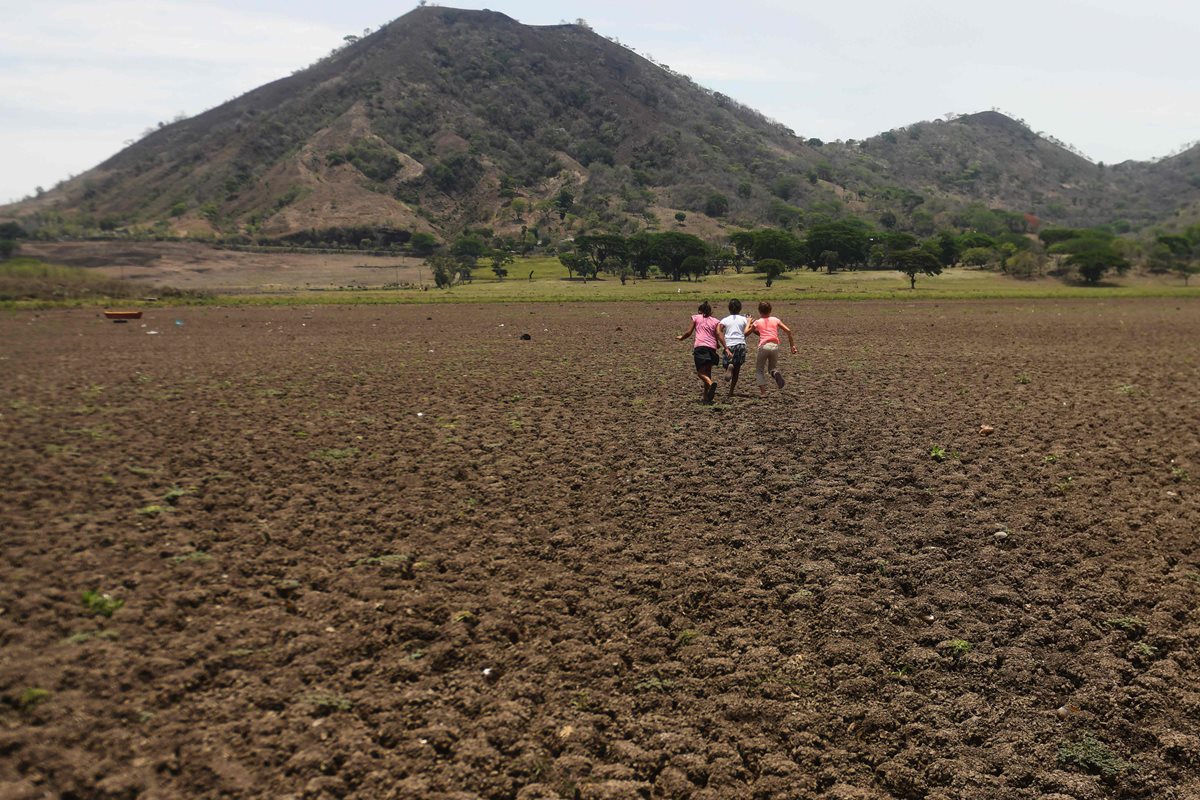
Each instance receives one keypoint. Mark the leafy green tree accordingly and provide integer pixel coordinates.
(974, 239)
(784, 214)
(978, 256)
(895, 242)
(622, 270)
(1006, 251)
(8, 249)
(1161, 260)
(669, 250)
(848, 238)
(947, 248)
(574, 263)
(640, 252)
(466, 251)
(603, 251)
(717, 205)
(772, 268)
(1182, 252)
(694, 266)
(11, 230)
(423, 244)
(680, 216)
(501, 259)
(443, 268)
(784, 186)
(1053, 236)
(1094, 258)
(457, 173)
(564, 203)
(915, 261)
(887, 219)
(743, 245)
(1025, 264)
(921, 222)
(528, 240)
(777, 244)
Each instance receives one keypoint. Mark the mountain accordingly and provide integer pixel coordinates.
(999, 162)
(446, 119)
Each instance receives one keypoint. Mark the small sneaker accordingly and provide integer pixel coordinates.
(778, 376)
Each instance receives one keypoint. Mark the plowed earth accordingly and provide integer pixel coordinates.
(399, 552)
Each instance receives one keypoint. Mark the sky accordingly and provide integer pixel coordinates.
(81, 78)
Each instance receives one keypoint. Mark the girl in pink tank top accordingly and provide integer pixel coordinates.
(766, 361)
(704, 350)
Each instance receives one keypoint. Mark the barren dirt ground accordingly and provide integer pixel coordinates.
(399, 552)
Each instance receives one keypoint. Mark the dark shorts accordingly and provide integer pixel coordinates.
(737, 359)
(705, 357)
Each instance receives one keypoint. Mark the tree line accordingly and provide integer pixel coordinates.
(849, 244)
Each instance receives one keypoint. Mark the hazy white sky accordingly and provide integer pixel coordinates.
(1116, 79)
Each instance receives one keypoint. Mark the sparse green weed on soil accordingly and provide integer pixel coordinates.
(334, 454)
(1091, 755)
(28, 698)
(103, 604)
(87, 636)
(957, 648)
(325, 703)
(194, 557)
(1131, 625)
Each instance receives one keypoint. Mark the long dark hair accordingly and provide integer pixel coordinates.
(706, 309)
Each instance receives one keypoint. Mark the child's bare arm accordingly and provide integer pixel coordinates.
(689, 332)
(721, 336)
(791, 339)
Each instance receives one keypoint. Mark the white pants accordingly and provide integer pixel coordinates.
(766, 361)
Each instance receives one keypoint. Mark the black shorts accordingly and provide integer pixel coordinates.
(705, 357)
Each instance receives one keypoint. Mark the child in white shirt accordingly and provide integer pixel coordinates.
(733, 332)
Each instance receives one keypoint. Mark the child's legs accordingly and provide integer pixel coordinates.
(765, 359)
(703, 357)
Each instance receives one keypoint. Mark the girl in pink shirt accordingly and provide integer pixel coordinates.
(704, 351)
(766, 360)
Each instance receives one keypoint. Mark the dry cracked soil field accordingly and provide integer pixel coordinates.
(400, 552)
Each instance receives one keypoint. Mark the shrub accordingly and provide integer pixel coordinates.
(771, 267)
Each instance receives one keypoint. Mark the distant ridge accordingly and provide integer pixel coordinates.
(446, 119)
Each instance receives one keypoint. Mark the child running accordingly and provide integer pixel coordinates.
(766, 360)
(704, 351)
(732, 330)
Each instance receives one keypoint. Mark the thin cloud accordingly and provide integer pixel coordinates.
(130, 64)
(121, 30)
